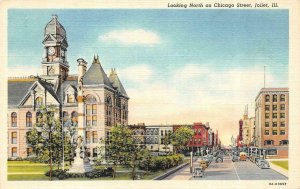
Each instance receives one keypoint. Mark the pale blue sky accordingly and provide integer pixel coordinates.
(208, 54)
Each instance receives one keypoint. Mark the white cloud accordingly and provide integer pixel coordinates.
(131, 37)
(23, 71)
(137, 73)
(191, 71)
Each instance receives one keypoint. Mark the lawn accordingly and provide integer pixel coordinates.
(282, 164)
(24, 170)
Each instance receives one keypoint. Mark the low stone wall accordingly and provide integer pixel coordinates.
(161, 177)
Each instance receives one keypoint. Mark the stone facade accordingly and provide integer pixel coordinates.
(272, 121)
(104, 99)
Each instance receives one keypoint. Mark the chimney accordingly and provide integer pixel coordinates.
(81, 68)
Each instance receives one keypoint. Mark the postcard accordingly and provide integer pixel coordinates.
(179, 94)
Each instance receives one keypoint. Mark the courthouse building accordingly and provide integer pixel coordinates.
(105, 99)
(272, 121)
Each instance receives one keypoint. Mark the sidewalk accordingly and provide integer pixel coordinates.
(277, 168)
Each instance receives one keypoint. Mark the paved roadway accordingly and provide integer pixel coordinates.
(228, 170)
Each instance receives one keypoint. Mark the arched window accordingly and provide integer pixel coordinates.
(275, 98)
(282, 98)
(70, 98)
(65, 117)
(267, 98)
(39, 118)
(38, 102)
(91, 110)
(74, 118)
(28, 119)
(13, 119)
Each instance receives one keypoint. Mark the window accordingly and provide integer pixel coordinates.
(267, 107)
(107, 136)
(195, 141)
(282, 115)
(267, 98)
(95, 137)
(91, 111)
(70, 98)
(13, 119)
(274, 124)
(284, 142)
(282, 107)
(267, 132)
(267, 124)
(14, 152)
(28, 119)
(267, 115)
(88, 153)
(199, 141)
(88, 137)
(14, 137)
(282, 124)
(38, 102)
(274, 107)
(95, 153)
(269, 142)
(74, 118)
(282, 98)
(65, 118)
(274, 98)
(199, 132)
(282, 132)
(29, 152)
(274, 115)
(39, 119)
(274, 132)
(162, 133)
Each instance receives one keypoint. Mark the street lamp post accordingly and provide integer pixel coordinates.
(191, 162)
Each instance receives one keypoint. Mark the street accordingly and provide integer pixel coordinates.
(228, 170)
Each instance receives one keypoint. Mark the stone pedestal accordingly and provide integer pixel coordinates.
(81, 164)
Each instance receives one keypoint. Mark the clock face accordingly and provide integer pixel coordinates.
(51, 50)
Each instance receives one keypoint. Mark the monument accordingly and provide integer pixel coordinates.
(81, 161)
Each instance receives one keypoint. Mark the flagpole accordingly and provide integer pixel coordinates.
(264, 76)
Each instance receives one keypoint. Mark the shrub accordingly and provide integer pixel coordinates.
(161, 162)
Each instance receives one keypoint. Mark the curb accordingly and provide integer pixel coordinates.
(278, 169)
(161, 177)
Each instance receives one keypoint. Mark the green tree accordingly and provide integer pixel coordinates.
(180, 137)
(116, 149)
(46, 137)
(121, 148)
(166, 141)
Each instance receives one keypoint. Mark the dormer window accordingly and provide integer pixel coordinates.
(70, 98)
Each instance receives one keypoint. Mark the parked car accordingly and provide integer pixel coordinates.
(262, 163)
(198, 172)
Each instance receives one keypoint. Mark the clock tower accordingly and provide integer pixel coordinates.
(54, 61)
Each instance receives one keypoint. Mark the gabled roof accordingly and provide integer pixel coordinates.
(66, 84)
(17, 90)
(113, 77)
(96, 75)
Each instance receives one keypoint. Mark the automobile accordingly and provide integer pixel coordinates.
(198, 172)
(203, 163)
(235, 158)
(243, 156)
(262, 163)
(219, 159)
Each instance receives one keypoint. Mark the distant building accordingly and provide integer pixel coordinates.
(247, 129)
(139, 132)
(272, 121)
(200, 140)
(156, 136)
